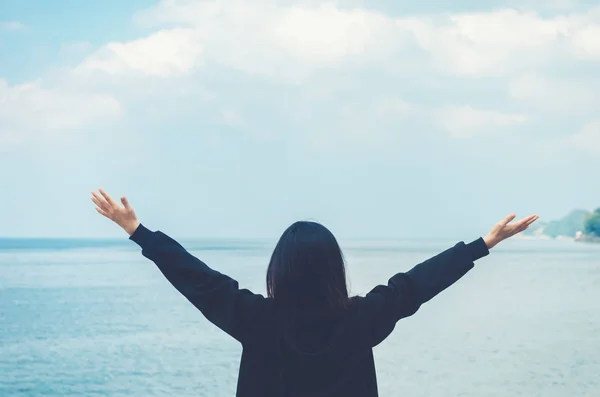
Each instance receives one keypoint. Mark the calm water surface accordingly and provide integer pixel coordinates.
(95, 318)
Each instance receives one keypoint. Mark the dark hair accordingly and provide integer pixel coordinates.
(307, 269)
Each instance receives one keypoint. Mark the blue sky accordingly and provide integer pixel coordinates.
(233, 119)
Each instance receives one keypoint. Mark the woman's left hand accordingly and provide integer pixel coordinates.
(122, 215)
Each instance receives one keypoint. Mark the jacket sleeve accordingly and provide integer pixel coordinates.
(406, 292)
(216, 295)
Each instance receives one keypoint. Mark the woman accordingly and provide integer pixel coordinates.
(308, 337)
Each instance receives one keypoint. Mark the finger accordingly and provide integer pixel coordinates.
(532, 219)
(125, 203)
(527, 220)
(525, 223)
(108, 198)
(508, 219)
(102, 212)
(99, 197)
(100, 202)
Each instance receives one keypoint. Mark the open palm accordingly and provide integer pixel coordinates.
(123, 215)
(505, 229)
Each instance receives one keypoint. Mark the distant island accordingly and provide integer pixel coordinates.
(578, 225)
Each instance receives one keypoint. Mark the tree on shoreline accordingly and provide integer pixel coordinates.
(592, 224)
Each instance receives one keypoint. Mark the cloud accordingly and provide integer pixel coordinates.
(259, 39)
(586, 42)
(327, 49)
(466, 121)
(28, 111)
(503, 41)
(290, 42)
(12, 26)
(164, 53)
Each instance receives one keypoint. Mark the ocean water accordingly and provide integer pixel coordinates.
(95, 318)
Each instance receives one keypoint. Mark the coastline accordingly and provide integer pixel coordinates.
(588, 239)
(579, 238)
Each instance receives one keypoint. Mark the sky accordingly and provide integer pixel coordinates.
(227, 118)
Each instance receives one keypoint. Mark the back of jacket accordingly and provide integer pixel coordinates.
(317, 353)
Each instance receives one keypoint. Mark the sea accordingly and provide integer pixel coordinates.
(95, 318)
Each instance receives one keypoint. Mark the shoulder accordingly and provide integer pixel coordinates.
(362, 308)
(374, 299)
(255, 305)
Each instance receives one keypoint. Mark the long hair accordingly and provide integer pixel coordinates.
(307, 269)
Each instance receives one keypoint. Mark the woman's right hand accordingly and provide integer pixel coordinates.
(504, 229)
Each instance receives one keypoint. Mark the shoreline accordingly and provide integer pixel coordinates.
(588, 239)
(578, 239)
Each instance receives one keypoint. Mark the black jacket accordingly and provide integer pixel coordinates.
(326, 355)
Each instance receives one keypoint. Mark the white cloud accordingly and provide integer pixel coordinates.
(466, 121)
(12, 26)
(586, 42)
(166, 52)
(325, 35)
(488, 43)
(262, 38)
(291, 41)
(28, 111)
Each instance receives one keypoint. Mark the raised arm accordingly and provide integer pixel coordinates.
(406, 292)
(216, 295)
